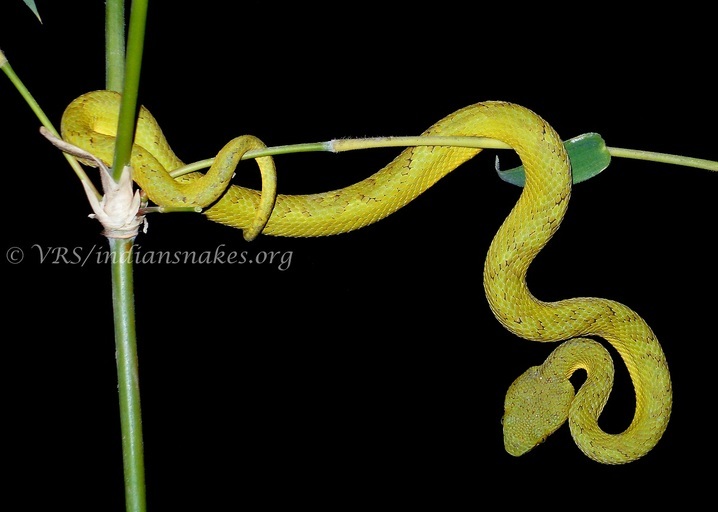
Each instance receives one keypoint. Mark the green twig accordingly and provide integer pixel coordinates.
(341, 145)
(45, 121)
(664, 158)
(338, 146)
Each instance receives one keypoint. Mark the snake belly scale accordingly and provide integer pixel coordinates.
(540, 400)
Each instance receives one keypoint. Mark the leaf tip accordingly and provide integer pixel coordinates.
(33, 8)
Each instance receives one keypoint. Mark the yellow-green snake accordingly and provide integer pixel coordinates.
(539, 401)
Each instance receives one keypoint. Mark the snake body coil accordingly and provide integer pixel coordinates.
(540, 400)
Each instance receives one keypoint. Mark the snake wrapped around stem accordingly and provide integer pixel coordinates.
(540, 400)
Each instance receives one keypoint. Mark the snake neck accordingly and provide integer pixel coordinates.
(588, 403)
(649, 374)
(543, 398)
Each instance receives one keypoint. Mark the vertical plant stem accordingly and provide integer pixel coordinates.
(114, 45)
(128, 374)
(130, 88)
(122, 75)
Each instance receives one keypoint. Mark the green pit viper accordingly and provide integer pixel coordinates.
(541, 399)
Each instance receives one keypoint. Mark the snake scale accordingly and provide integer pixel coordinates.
(541, 399)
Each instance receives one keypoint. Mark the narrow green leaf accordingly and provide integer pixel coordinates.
(33, 8)
(588, 154)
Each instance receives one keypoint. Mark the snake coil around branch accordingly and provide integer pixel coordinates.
(540, 400)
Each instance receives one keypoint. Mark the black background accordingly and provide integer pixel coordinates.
(371, 371)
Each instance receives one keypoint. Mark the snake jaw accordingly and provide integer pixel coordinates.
(536, 406)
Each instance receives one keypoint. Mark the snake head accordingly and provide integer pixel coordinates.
(536, 405)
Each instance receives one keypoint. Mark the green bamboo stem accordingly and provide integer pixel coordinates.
(114, 45)
(128, 374)
(122, 75)
(130, 87)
